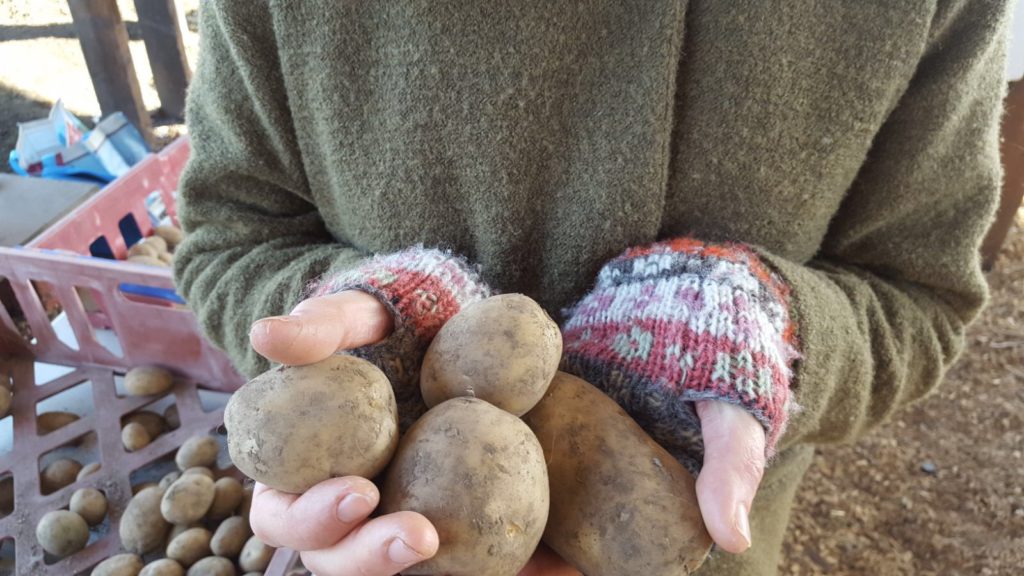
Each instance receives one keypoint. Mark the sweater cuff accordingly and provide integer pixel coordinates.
(422, 288)
(680, 321)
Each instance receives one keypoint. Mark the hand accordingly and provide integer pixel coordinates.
(319, 327)
(734, 463)
(546, 562)
(328, 526)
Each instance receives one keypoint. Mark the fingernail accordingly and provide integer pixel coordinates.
(354, 507)
(743, 523)
(401, 553)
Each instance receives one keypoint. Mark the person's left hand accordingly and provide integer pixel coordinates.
(734, 460)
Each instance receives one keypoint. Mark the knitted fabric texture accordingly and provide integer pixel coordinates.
(679, 321)
(422, 288)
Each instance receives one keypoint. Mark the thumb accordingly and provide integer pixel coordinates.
(321, 326)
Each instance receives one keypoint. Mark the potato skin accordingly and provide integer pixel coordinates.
(90, 504)
(212, 566)
(88, 469)
(148, 380)
(620, 504)
(190, 546)
(119, 565)
(504, 349)
(49, 421)
(143, 529)
(197, 451)
(293, 427)
(162, 567)
(230, 537)
(134, 437)
(255, 555)
(151, 421)
(477, 473)
(188, 499)
(227, 496)
(62, 533)
(58, 474)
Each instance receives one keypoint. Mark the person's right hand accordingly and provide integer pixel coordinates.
(328, 525)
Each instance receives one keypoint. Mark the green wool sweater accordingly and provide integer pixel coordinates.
(852, 145)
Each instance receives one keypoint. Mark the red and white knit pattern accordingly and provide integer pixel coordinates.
(679, 321)
(422, 288)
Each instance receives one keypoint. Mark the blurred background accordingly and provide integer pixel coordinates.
(939, 490)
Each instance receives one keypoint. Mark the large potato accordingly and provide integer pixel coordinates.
(119, 565)
(188, 499)
(504, 350)
(62, 533)
(143, 529)
(477, 473)
(293, 427)
(620, 504)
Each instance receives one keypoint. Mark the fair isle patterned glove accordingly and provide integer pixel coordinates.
(422, 288)
(679, 321)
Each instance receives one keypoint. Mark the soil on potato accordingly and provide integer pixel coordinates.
(936, 491)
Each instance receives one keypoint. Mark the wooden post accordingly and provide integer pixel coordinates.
(161, 32)
(104, 41)
(1013, 173)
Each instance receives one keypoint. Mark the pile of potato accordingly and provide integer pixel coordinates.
(510, 452)
(158, 249)
(190, 522)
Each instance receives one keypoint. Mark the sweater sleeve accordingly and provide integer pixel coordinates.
(872, 323)
(255, 242)
(882, 310)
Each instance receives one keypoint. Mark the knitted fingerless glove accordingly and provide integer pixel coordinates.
(680, 321)
(422, 288)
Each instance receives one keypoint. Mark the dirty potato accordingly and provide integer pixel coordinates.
(188, 499)
(190, 546)
(143, 528)
(477, 473)
(148, 380)
(197, 451)
(119, 565)
(62, 533)
(293, 427)
(504, 349)
(90, 504)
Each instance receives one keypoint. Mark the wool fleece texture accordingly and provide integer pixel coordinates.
(853, 146)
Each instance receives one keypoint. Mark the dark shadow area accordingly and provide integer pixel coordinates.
(65, 30)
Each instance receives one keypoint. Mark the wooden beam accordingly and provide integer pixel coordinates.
(1013, 174)
(161, 32)
(104, 41)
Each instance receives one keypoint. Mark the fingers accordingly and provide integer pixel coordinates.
(321, 517)
(381, 547)
(733, 465)
(319, 327)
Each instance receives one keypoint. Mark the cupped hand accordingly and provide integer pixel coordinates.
(734, 460)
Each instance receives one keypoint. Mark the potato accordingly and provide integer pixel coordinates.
(147, 261)
(171, 417)
(172, 235)
(6, 398)
(177, 529)
(246, 505)
(143, 249)
(190, 546)
(6, 495)
(90, 504)
(119, 565)
(147, 381)
(197, 451)
(227, 496)
(62, 533)
(230, 537)
(201, 470)
(58, 474)
(212, 566)
(504, 349)
(166, 258)
(143, 528)
(168, 479)
(156, 242)
(163, 567)
(188, 499)
(49, 421)
(140, 487)
(134, 437)
(477, 473)
(293, 427)
(620, 504)
(151, 421)
(88, 469)
(255, 556)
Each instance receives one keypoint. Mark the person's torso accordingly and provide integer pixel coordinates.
(540, 139)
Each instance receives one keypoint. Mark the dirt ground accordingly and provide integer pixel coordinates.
(938, 491)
